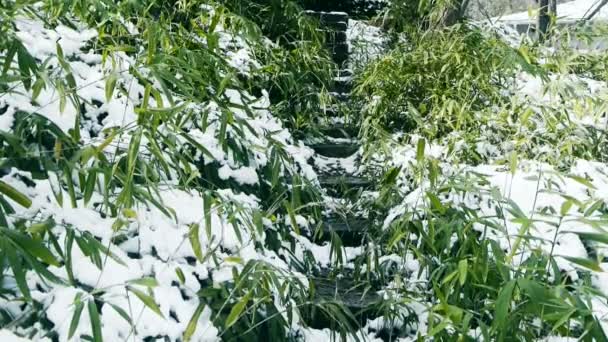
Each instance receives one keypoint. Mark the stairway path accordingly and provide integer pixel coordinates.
(337, 162)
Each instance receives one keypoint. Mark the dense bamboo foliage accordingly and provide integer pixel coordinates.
(155, 184)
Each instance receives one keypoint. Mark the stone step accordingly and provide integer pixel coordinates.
(342, 85)
(339, 52)
(336, 37)
(345, 73)
(341, 131)
(336, 150)
(350, 230)
(355, 298)
(358, 9)
(334, 21)
(340, 96)
(348, 187)
(347, 181)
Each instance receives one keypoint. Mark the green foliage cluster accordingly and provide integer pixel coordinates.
(436, 79)
(177, 58)
(452, 90)
(298, 71)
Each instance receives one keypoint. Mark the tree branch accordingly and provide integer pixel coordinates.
(596, 10)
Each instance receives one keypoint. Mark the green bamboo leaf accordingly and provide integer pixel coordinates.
(78, 306)
(122, 313)
(462, 271)
(565, 208)
(180, 275)
(14, 195)
(191, 328)
(195, 242)
(292, 217)
(10, 55)
(513, 162)
(236, 311)
(439, 328)
(146, 281)
(207, 200)
(133, 152)
(420, 150)
(594, 207)
(89, 186)
(30, 245)
(37, 88)
(565, 317)
(582, 180)
(147, 300)
(597, 237)
(42, 227)
(18, 272)
(503, 304)
(95, 321)
(152, 42)
(27, 65)
(585, 263)
(110, 85)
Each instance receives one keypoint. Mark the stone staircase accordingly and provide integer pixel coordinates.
(336, 161)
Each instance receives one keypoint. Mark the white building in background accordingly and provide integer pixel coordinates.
(568, 14)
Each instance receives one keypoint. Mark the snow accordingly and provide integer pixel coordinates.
(244, 175)
(366, 43)
(8, 336)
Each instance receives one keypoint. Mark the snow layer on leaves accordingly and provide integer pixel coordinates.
(152, 244)
(560, 200)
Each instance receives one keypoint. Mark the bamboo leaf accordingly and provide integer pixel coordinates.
(147, 300)
(462, 271)
(195, 242)
(18, 272)
(585, 263)
(420, 150)
(122, 313)
(32, 246)
(503, 304)
(191, 328)
(110, 85)
(78, 306)
(146, 281)
(236, 311)
(14, 195)
(180, 275)
(95, 321)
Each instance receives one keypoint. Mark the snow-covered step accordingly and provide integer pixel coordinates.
(337, 166)
(340, 96)
(362, 9)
